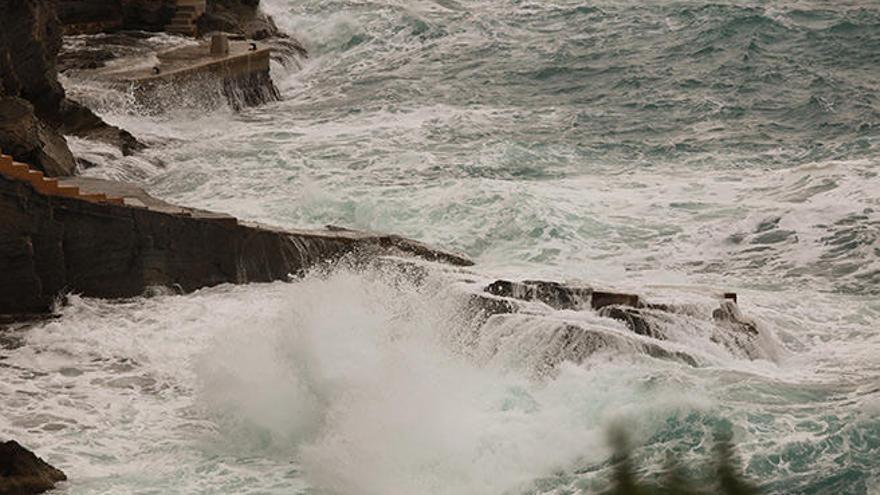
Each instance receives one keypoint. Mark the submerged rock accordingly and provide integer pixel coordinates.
(651, 320)
(22, 472)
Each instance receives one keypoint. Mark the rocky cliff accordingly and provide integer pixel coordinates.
(51, 244)
(34, 110)
(22, 472)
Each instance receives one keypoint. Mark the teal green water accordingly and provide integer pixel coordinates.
(664, 147)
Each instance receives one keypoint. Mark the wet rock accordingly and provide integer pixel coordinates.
(600, 299)
(22, 472)
(738, 333)
(574, 344)
(242, 17)
(633, 318)
(553, 294)
(28, 139)
(53, 244)
(77, 120)
(729, 315)
(29, 44)
(86, 59)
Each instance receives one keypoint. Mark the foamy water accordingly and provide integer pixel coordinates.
(672, 150)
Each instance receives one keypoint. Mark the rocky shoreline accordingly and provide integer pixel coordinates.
(63, 234)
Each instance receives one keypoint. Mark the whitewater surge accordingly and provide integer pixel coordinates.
(675, 150)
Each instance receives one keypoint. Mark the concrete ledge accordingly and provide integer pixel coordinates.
(196, 61)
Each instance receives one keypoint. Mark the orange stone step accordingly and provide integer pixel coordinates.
(19, 170)
(68, 191)
(95, 198)
(46, 186)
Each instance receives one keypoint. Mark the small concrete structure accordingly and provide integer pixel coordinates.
(194, 61)
(239, 69)
(219, 45)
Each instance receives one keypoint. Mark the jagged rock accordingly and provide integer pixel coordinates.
(241, 17)
(22, 472)
(77, 120)
(29, 140)
(144, 15)
(633, 319)
(600, 299)
(89, 16)
(29, 44)
(730, 316)
(84, 59)
(52, 244)
(553, 294)
(732, 329)
(576, 343)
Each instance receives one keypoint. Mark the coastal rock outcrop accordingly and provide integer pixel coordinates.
(27, 138)
(726, 324)
(23, 473)
(29, 45)
(52, 244)
(242, 17)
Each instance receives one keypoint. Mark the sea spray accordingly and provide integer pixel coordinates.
(362, 389)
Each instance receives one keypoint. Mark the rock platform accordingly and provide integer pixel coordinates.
(112, 240)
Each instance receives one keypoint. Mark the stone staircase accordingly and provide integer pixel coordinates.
(49, 186)
(185, 17)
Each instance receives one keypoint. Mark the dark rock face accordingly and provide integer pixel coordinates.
(29, 41)
(731, 328)
(238, 17)
(250, 90)
(29, 44)
(633, 319)
(553, 294)
(147, 15)
(25, 137)
(89, 16)
(77, 120)
(22, 472)
(50, 245)
(95, 16)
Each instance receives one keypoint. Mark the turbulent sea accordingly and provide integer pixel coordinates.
(677, 148)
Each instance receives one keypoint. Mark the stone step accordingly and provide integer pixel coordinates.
(50, 186)
(97, 197)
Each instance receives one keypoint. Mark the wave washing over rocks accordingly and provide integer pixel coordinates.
(661, 218)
